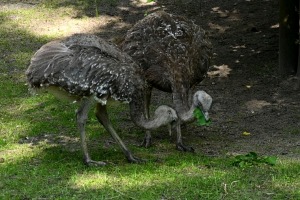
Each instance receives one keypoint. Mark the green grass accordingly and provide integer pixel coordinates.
(52, 169)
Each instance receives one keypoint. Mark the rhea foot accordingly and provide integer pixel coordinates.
(133, 159)
(92, 163)
(181, 147)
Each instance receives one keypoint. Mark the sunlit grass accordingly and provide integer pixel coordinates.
(178, 176)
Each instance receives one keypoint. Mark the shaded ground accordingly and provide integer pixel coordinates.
(252, 99)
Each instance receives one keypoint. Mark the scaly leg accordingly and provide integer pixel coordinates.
(81, 117)
(179, 144)
(147, 98)
(180, 100)
(102, 116)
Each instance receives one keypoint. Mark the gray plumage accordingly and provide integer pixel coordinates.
(85, 65)
(88, 69)
(174, 55)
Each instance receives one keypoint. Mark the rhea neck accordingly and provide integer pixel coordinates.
(184, 109)
(136, 107)
(188, 116)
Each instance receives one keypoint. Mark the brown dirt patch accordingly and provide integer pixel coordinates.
(253, 98)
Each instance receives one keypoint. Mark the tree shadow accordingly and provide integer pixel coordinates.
(17, 46)
(125, 13)
(56, 173)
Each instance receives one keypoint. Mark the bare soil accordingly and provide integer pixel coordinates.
(254, 109)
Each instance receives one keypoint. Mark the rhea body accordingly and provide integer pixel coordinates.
(91, 71)
(174, 55)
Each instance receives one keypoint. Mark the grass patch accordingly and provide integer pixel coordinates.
(40, 155)
(57, 173)
(292, 130)
(252, 158)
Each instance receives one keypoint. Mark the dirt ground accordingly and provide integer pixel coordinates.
(253, 99)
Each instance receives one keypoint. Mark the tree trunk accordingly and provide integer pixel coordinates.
(298, 70)
(288, 35)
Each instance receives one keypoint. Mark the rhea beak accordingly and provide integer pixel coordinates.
(206, 116)
(205, 113)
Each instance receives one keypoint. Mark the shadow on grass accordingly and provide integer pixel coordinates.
(94, 8)
(123, 14)
(16, 46)
(53, 172)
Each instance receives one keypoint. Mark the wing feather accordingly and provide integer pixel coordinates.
(85, 67)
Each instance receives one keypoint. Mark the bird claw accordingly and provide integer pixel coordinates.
(133, 159)
(92, 163)
(147, 142)
(181, 147)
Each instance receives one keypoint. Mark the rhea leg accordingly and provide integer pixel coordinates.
(179, 144)
(102, 116)
(181, 101)
(147, 98)
(81, 117)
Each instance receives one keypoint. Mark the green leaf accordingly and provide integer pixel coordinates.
(271, 160)
(252, 158)
(252, 155)
(242, 164)
(198, 114)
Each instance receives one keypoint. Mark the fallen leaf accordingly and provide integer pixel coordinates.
(246, 133)
(198, 114)
(221, 71)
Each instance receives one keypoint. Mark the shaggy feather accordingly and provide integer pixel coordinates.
(84, 65)
(173, 52)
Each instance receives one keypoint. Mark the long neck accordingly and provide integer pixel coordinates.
(188, 116)
(181, 103)
(136, 111)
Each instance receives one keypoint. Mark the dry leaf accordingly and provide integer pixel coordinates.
(221, 71)
(246, 133)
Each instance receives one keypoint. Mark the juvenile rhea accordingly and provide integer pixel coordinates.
(89, 70)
